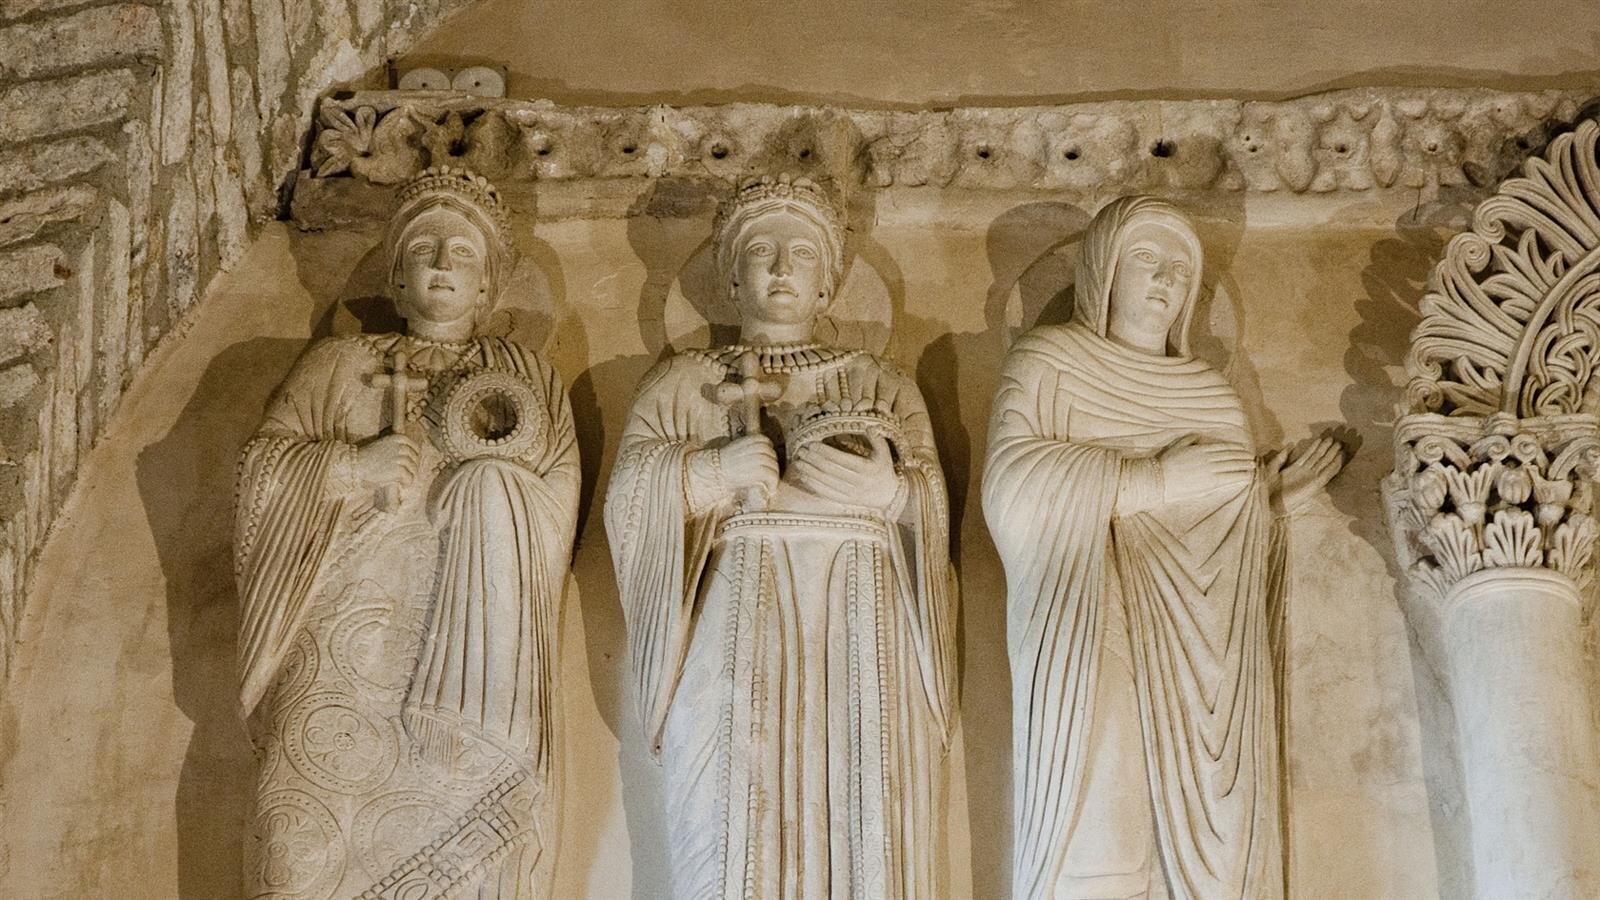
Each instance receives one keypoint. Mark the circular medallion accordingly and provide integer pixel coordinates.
(295, 674)
(396, 825)
(494, 414)
(298, 850)
(376, 648)
(337, 746)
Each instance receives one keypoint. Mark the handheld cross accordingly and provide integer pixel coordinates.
(400, 383)
(749, 392)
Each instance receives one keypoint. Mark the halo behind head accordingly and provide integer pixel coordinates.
(464, 192)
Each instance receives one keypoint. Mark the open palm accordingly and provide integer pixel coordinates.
(1295, 475)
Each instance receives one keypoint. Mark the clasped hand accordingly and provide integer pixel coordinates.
(388, 460)
(848, 478)
(827, 472)
(1193, 468)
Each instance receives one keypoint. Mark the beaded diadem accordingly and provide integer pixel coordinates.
(784, 189)
(449, 182)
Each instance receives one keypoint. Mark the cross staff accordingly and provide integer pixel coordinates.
(400, 383)
(749, 392)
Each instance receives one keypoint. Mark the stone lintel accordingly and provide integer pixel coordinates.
(1339, 146)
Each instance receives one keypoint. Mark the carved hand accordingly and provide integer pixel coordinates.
(391, 459)
(1295, 476)
(1192, 468)
(847, 478)
(748, 462)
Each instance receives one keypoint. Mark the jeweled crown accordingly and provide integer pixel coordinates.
(449, 181)
(786, 189)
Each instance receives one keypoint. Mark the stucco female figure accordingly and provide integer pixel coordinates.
(405, 522)
(1143, 559)
(778, 522)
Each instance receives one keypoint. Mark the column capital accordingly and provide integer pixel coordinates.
(1471, 494)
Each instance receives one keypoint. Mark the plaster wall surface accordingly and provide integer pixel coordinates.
(943, 52)
(131, 775)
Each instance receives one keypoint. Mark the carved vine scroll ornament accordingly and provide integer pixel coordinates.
(1495, 458)
(1491, 505)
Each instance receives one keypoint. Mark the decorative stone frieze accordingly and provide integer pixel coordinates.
(1491, 509)
(1351, 140)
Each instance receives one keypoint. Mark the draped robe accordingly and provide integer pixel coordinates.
(1145, 749)
(398, 658)
(794, 665)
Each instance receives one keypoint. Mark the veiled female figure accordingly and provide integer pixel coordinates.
(405, 521)
(790, 637)
(1142, 566)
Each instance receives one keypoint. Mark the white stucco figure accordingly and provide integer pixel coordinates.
(1143, 568)
(405, 522)
(779, 527)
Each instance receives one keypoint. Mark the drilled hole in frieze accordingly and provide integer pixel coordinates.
(544, 150)
(805, 153)
(1163, 148)
(984, 152)
(1341, 149)
(1070, 154)
(1431, 146)
(629, 149)
(718, 151)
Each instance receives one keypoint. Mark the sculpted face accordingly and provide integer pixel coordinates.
(1153, 275)
(441, 276)
(779, 271)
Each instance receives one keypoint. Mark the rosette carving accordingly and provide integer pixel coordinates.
(1340, 141)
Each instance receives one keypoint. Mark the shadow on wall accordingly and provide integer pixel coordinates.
(180, 479)
(1394, 282)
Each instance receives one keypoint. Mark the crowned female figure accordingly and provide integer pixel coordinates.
(1142, 549)
(779, 527)
(405, 522)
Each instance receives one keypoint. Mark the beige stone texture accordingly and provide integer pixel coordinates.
(130, 772)
(157, 135)
(102, 34)
(940, 53)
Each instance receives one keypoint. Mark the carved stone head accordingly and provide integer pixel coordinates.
(449, 247)
(780, 245)
(1139, 274)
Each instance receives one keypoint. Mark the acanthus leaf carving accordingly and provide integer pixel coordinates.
(1498, 492)
(1511, 319)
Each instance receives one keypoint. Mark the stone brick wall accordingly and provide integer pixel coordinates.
(139, 146)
